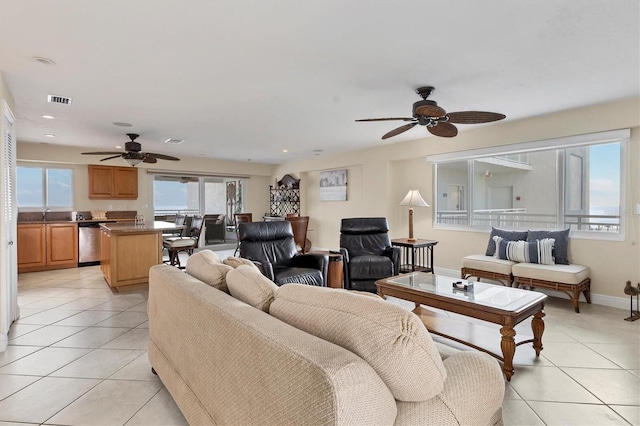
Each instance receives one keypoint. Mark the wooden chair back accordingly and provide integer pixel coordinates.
(300, 226)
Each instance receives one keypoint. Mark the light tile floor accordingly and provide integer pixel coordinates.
(77, 356)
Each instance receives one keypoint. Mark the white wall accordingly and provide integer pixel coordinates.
(378, 178)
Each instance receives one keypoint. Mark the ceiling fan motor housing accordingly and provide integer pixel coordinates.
(132, 146)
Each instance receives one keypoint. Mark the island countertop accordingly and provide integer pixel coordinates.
(125, 228)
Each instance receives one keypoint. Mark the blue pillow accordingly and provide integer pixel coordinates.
(503, 233)
(560, 248)
(539, 251)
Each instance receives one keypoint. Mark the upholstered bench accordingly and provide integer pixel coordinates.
(490, 267)
(529, 267)
(570, 279)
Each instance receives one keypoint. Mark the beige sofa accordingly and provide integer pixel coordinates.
(234, 349)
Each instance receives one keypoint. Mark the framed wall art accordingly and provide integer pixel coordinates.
(333, 185)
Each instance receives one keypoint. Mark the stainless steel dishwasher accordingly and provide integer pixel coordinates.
(88, 243)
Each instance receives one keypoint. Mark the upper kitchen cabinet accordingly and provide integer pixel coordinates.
(107, 182)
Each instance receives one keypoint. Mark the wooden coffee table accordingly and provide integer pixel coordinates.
(501, 305)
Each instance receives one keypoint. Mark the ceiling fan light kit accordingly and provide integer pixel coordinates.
(133, 155)
(438, 122)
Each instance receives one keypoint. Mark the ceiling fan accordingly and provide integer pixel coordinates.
(132, 154)
(437, 121)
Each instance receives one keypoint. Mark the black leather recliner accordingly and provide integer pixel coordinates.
(271, 247)
(367, 253)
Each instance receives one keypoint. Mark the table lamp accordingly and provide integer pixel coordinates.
(412, 199)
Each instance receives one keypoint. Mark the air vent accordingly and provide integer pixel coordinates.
(174, 141)
(58, 99)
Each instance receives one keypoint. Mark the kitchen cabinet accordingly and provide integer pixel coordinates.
(44, 246)
(117, 183)
(129, 250)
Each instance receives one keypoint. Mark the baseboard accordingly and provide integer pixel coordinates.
(596, 299)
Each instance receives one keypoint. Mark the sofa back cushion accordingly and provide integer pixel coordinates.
(246, 283)
(391, 339)
(206, 266)
(234, 262)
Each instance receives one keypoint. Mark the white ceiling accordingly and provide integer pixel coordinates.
(246, 79)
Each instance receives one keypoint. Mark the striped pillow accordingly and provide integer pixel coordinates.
(539, 251)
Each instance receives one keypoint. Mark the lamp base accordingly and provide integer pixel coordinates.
(412, 240)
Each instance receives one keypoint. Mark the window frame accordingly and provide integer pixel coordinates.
(45, 193)
(621, 136)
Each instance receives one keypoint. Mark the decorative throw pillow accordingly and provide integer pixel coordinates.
(561, 248)
(234, 262)
(540, 251)
(393, 340)
(205, 265)
(249, 285)
(506, 234)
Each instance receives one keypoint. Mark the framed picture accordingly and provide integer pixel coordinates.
(333, 185)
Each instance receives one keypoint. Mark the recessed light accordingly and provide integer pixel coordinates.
(118, 146)
(174, 141)
(285, 150)
(49, 135)
(121, 124)
(48, 117)
(44, 61)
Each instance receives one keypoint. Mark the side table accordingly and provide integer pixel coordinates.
(416, 255)
(335, 271)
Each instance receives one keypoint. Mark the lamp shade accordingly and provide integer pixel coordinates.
(414, 198)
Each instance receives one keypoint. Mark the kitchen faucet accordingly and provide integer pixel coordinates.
(44, 214)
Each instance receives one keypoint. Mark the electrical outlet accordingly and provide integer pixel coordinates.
(110, 207)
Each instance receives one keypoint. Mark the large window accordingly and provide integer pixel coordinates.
(565, 183)
(40, 188)
(192, 194)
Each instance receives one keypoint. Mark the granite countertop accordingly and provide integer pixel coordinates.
(156, 226)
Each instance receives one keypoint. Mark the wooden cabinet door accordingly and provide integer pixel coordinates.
(101, 181)
(62, 243)
(31, 246)
(126, 183)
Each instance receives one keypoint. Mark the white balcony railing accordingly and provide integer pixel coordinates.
(520, 219)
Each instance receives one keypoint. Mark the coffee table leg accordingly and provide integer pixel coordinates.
(537, 326)
(508, 346)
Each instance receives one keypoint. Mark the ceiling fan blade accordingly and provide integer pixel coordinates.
(443, 129)
(150, 159)
(102, 153)
(474, 117)
(399, 130)
(429, 110)
(388, 119)
(109, 158)
(161, 156)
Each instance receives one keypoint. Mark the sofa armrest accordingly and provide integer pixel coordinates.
(345, 266)
(472, 394)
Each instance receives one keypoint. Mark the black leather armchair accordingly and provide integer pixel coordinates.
(271, 247)
(367, 253)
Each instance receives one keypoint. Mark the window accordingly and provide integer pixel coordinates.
(193, 195)
(40, 188)
(562, 183)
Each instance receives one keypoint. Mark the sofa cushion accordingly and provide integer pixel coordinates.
(487, 263)
(538, 251)
(561, 247)
(234, 262)
(205, 265)
(567, 274)
(249, 285)
(506, 234)
(392, 340)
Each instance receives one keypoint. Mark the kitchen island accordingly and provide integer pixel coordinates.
(129, 250)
